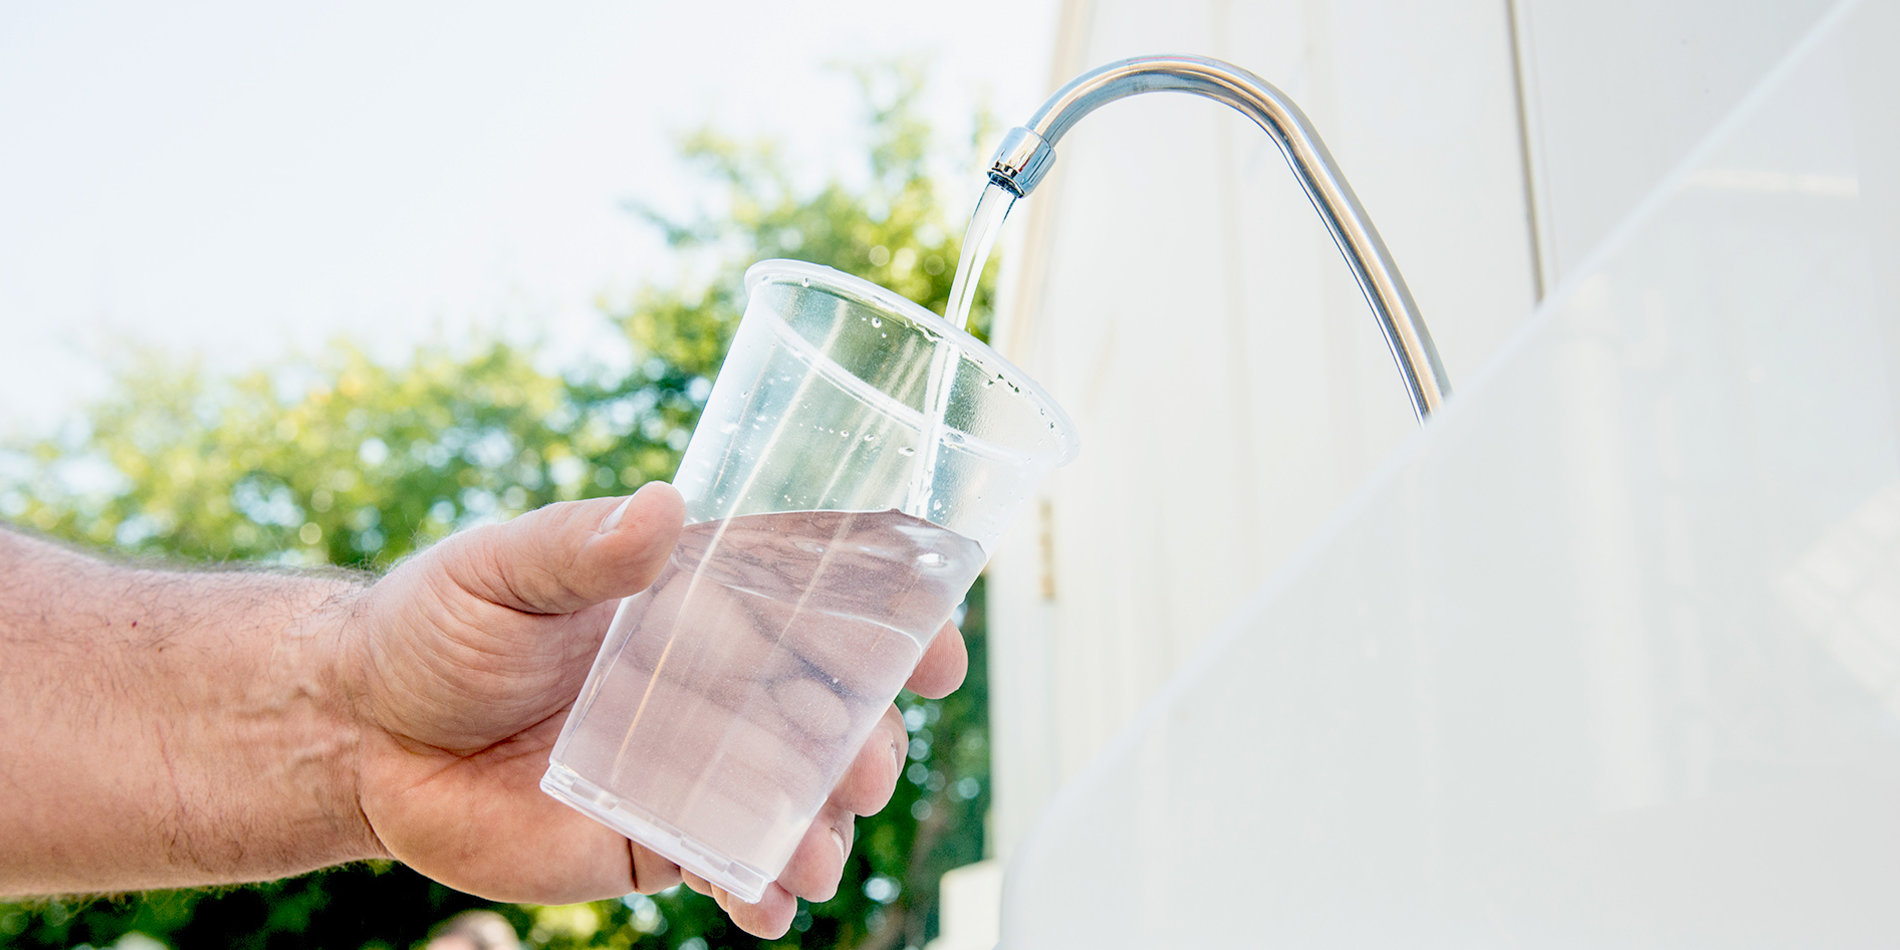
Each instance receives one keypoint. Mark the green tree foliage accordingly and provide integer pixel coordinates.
(346, 461)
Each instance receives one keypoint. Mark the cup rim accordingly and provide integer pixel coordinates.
(863, 291)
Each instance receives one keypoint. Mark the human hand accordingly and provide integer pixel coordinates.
(467, 660)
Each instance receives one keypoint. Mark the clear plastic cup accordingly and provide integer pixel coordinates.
(839, 503)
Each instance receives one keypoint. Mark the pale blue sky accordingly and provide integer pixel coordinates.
(236, 179)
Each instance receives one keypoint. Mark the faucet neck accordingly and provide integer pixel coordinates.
(1028, 151)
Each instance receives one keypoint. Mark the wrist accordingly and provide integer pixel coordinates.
(328, 673)
(274, 711)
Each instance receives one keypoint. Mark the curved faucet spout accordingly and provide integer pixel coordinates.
(1027, 152)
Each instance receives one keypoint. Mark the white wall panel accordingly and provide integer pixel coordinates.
(1617, 91)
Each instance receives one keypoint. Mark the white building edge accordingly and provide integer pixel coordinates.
(1609, 654)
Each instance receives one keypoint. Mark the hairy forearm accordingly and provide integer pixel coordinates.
(162, 729)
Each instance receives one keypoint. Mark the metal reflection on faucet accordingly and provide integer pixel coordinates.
(1027, 152)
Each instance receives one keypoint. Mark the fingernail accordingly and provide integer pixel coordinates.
(838, 839)
(897, 755)
(613, 520)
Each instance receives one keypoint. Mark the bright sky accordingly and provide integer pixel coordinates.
(237, 179)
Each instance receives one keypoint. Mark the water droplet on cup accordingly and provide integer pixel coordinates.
(877, 321)
(907, 450)
(931, 559)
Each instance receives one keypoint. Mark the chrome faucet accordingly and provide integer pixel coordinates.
(1027, 152)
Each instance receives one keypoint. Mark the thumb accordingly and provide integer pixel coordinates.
(561, 558)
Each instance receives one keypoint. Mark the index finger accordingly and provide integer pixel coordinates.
(943, 665)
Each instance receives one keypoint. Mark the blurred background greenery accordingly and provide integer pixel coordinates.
(343, 459)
